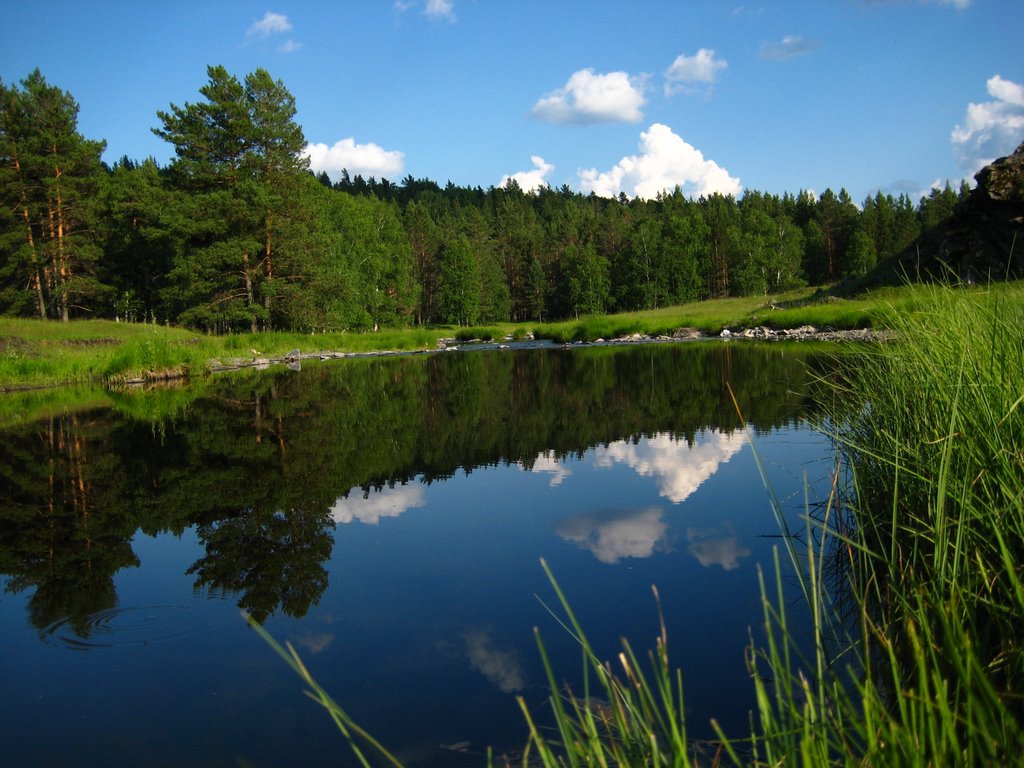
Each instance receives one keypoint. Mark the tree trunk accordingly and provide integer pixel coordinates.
(248, 291)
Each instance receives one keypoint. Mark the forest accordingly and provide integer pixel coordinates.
(237, 233)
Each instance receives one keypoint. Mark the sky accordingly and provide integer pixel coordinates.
(603, 96)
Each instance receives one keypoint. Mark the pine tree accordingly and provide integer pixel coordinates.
(50, 180)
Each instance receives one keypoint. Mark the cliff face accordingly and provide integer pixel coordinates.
(982, 240)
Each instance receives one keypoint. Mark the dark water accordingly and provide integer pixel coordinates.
(387, 517)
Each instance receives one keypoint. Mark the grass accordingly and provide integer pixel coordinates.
(41, 354)
(913, 572)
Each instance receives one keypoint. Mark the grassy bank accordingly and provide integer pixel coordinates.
(41, 354)
(913, 572)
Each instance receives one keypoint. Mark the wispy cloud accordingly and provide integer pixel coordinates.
(665, 162)
(589, 97)
(789, 47)
(530, 180)
(500, 666)
(271, 24)
(440, 10)
(435, 10)
(290, 46)
(691, 73)
(990, 129)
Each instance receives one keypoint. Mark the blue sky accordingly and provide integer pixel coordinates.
(602, 96)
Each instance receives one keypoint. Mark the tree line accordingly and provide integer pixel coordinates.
(236, 233)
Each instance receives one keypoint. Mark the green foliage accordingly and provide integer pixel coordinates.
(237, 234)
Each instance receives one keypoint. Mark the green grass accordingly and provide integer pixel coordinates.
(912, 572)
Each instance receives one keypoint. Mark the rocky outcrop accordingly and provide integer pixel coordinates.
(983, 239)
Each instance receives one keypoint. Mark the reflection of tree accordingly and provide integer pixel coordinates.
(272, 558)
(60, 532)
(259, 460)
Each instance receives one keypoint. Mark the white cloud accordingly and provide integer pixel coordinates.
(365, 159)
(680, 468)
(687, 71)
(990, 129)
(500, 666)
(589, 98)
(270, 24)
(290, 46)
(531, 180)
(435, 10)
(789, 47)
(440, 10)
(711, 548)
(612, 536)
(388, 502)
(665, 161)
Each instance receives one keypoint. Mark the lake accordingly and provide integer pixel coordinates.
(387, 517)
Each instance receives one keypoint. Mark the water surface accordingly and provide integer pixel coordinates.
(387, 517)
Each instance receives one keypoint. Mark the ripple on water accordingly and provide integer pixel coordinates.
(131, 627)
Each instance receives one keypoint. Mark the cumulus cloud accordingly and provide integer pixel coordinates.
(789, 47)
(530, 180)
(990, 129)
(611, 536)
(499, 665)
(665, 161)
(689, 72)
(589, 98)
(270, 24)
(369, 509)
(679, 468)
(710, 547)
(365, 159)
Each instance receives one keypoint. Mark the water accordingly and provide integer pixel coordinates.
(387, 517)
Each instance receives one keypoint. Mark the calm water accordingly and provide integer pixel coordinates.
(387, 517)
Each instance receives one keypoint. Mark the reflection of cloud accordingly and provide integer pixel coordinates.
(679, 468)
(498, 665)
(708, 550)
(613, 535)
(369, 509)
(316, 641)
(546, 462)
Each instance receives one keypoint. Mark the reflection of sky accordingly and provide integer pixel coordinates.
(717, 546)
(678, 468)
(387, 502)
(614, 535)
(546, 462)
(500, 666)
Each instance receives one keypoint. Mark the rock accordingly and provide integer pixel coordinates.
(293, 355)
(686, 333)
(725, 334)
(982, 239)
